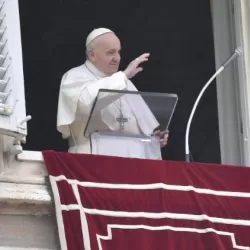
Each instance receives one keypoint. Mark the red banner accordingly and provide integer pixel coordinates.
(113, 203)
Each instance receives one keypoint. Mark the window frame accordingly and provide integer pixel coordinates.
(234, 31)
(233, 85)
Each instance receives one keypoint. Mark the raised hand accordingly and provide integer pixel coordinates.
(133, 68)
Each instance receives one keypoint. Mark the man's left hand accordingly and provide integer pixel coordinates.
(163, 135)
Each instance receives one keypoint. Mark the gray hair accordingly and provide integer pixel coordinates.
(91, 46)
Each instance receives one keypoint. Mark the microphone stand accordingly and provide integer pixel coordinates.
(237, 53)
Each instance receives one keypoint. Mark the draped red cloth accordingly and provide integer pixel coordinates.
(113, 203)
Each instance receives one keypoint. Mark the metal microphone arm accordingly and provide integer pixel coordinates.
(237, 53)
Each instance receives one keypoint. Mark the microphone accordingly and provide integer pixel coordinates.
(235, 55)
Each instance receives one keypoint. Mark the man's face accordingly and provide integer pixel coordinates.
(106, 53)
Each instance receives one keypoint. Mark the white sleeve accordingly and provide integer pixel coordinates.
(77, 93)
(90, 90)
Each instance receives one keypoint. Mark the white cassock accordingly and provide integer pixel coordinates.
(78, 91)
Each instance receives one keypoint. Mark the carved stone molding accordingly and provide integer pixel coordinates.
(25, 199)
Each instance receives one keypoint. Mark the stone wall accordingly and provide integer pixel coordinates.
(28, 232)
(27, 219)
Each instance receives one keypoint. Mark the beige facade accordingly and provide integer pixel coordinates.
(27, 219)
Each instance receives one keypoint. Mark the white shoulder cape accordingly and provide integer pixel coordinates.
(87, 80)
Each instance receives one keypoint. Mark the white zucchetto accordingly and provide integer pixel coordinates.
(95, 33)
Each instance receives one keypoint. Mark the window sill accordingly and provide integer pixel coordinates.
(23, 188)
(26, 168)
(30, 156)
